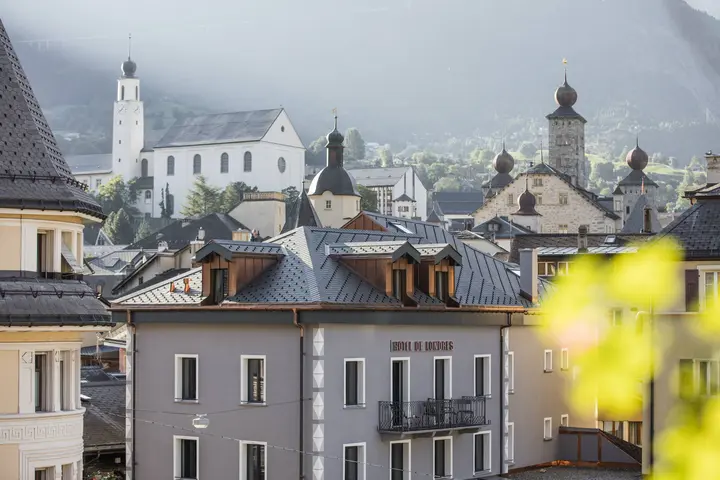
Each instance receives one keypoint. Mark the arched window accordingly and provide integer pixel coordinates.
(224, 163)
(247, 163)
(197, 164)
(122, 92)
(171, 165)
(144, 167)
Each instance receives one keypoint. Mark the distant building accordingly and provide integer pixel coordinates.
(392, 183)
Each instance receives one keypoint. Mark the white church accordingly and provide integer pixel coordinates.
(260, 148)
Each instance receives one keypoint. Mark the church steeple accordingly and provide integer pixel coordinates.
(335, 146)
(129, 67)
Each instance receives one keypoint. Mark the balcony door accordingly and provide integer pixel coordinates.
(400, 389)
(443, 378)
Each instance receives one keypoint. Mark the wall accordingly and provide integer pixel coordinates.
(12, 245)
(538, 395)
(10, 461)
(128, 130)
(9, 378)
(578, 211)
(411, 185)
(343, 208)
(267, 216)
(219, 347)
(567, 148)
(91, 179)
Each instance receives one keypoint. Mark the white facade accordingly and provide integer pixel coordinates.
(128, 129)
(392, 183)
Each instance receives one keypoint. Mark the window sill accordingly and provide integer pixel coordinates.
(182, 400)
(484, 473)
(510, 462)
(547, 371)
(511, 391)
(354, 407)
(547, 439)
(253, 404)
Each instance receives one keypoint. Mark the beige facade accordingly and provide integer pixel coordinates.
(334, 211)
(562, 207)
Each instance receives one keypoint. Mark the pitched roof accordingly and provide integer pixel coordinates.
(301, 214)
(506, 228)
(378, 177)
(160, 293)
(570, 240)
(698, 229)
(104, 426)
(499, 180)
(180, 233)
(459, 203)
(635, 222)
(218, 128)
(566, 112)
(33, 172)
(91, 163)
(637, 177)
(160, 277)
(404, 198)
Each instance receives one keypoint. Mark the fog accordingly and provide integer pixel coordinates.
(391, 67)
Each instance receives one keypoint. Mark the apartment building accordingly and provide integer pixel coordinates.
(45, 309)
(400, 192)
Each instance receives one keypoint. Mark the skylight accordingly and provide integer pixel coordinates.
(611, 239)
(401, 227)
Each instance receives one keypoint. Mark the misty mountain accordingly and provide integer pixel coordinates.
(399, 68)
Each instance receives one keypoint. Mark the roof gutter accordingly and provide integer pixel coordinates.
(326, 307)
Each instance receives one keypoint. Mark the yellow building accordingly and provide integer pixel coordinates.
(45, 308)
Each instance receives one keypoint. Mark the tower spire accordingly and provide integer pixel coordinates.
(542, 155)
(565, 64)
(129, 46)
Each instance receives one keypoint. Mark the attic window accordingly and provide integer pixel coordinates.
(218, 285)
(400, 227)
(493, 227)
(442, 286)
(399, 284)
(611, 239)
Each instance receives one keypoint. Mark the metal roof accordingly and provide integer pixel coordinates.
(562, 251)
(378, 177)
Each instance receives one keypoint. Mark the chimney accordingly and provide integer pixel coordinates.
(528, 274)
(198, 243)
(582, 238)
(647, 223)
(241, 235)
(713, 168)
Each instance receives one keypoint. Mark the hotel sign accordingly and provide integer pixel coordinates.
(421, 346)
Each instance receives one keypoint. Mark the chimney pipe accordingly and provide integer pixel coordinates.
(528, 274)
(647, 223)
(582, 238)
(713, 168)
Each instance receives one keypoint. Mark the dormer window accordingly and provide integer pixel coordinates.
(218, 285)
(442, 286)
(399, 286)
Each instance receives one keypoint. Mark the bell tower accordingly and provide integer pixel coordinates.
(128, 122)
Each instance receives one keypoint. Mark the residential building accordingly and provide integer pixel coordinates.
(46, 311)
(458, 207)
(260, 148)
(391, 183)
(500, 230)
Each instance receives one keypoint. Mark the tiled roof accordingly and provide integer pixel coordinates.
(562, 251)
(144, 183)
(364, 248)
(116, 261)
(55, 302)
(160, 294)
(180, 233)
(459, 203)
(220, 128)
(566, 112)
(709, 190)
(637, 178)
(262, 248)
(698, 229)
(104, 426)
(301, 214)
(636, 220)
(378, 177)
(33, 172)
(506, 228)
(160, 277)
(499, 180)
(404, 198)
(570, 240)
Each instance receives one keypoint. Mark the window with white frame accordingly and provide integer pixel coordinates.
(565, 420)
(563, 199)
(510, 457)
(186, 378)
(635, 433)
(354, 461)
(400, 460)
(547, 429)
(483, 380)
(42, 386)
(548, 361)
(712, 281)
(511, 371)
(564, 359)
(546, 269)
(616, 317)
(253, 461)
(481, 452)
(538, 198)
(443, 457)
(442, 377)
(699, 377)
(563, 268)
(354, 382)
(328, 204)
(46, 473)
(252, 379)
(186, 455)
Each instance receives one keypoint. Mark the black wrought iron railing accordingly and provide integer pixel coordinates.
(432, 414)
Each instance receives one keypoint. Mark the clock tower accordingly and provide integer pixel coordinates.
(128, 124)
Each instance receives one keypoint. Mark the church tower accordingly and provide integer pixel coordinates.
(567, 137)
(128, 125)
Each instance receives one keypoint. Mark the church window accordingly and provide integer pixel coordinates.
(197, 164)
(563, 199)
(119, 142)
(224, 163)
(119, 122)
(281, 164)
(282, 128)
(511, 200)
(537, 182)
(328, 204)
(148, 196)
(144, 168)
(171, 165)
(122, 92)
(627, 210)
(618, 205)
(247, 162)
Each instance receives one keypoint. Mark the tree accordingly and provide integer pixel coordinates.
(167, 205)
(368, 199)
(603, 170)
(229, 198)
(529, 150)
(142, 231)
(202, 200)
(116, 194)
(118, 227)
(448, 184)
(315, 154)
(291, 195)
(354, 144)
(386, 156)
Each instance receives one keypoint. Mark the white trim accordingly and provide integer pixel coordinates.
(488, 375)
(702, 270)
(448, 385)
(547, 425)
(407, 471)
(48, 213)
(42, 328)
(488, 444)
(362, 462)
(361, 382)
(510, 443)
(511, 372)
(178, 377)
(450, 455)
(243, 457)
(547, 368)
(42, 347)
(406, 360)
(176, 454)
(565, 420)
(565, 359)
(243, 379)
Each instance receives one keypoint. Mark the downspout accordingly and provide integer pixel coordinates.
(505, 385)
(301, 454)
(134, 395)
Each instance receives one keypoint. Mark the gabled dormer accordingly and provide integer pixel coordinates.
(227, 266)
(437, 271)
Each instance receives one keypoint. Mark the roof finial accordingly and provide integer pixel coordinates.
(565, 64)
(637, 141)
(335, 114)
(642, 186)
(542, 155)
(129, 45)
(503, 144)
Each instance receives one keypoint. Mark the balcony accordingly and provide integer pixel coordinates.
(431, 416)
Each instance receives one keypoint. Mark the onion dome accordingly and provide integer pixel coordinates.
(565, 95)
(335, 137)
(503, 162)
(526, 203)
(636, 158)
(129, 68)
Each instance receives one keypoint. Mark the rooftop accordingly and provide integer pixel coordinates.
(180, 233)
(458, 203)
(576, 473)
(378, 177)
(698, 229)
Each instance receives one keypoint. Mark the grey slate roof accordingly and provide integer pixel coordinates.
(459, 203)
(636, 219)
(160, 277)
(334, 179)
(395, 249)
(563, 251)
(404, 198)
(570, 240)
(566, 112)
(698, 229)
(636, 178)
(499, 180)
(180, 233)
(220, 128)
(301, 214)
(506, 228)
(49, 302)
(378, 177)
(104, 425)
(33, 172)
(91, 163)
(144, 183)
(160, 294)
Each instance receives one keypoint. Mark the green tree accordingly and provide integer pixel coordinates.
(118, 226)
(368, 199)
(436, 171)
(116, 194)
(448, 184)
(603, 170)
(354, 144)
(203, 199)
(315, 154)
(143, 231)
(386, 156)
(291, 195)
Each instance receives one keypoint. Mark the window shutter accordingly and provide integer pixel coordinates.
(692, 280)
